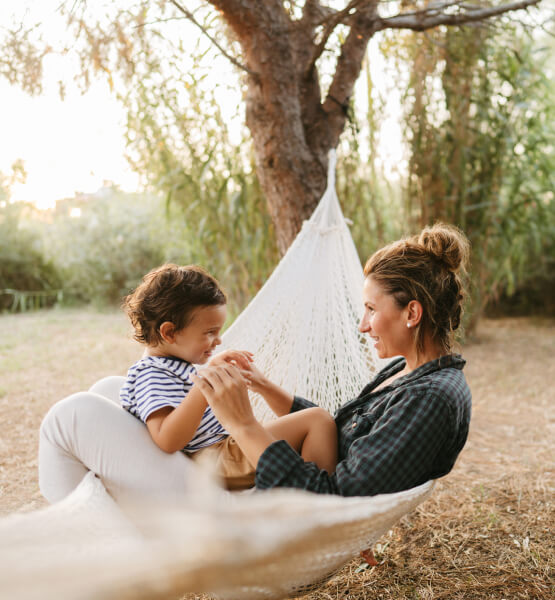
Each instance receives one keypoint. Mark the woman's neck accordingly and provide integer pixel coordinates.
(416, 359)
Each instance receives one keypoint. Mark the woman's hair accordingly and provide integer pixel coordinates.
(428, 268)
(170, 293)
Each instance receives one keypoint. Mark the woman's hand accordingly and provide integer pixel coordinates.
(276, 397)
(256, 380)
(225, 391)
(241, 358)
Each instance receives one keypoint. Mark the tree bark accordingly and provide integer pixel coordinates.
(292, 129)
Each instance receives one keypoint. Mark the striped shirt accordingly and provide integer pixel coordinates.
(155, 382)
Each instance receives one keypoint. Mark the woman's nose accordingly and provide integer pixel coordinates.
(364, 325)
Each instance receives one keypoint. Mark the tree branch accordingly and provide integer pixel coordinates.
(330, 23)
(191, 18)
(314, 13)
(434, 15)
(348, 68)
(248, 14)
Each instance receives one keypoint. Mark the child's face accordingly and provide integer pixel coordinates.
(196, 342)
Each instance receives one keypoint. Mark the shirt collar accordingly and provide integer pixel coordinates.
(455, 361)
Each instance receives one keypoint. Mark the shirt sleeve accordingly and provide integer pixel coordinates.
(300, 404)
(396, 454)
(156, 388)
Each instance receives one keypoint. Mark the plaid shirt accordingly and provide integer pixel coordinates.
(389, 440)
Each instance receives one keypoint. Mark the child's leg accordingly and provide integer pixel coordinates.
(312, 432)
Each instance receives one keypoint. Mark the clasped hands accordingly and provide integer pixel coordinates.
(224, 385)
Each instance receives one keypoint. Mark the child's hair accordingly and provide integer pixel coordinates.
(427, 268)
(170, 293)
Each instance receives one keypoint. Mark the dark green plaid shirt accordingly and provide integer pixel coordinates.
(389, 440)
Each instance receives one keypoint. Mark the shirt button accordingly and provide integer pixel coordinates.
(354, 424)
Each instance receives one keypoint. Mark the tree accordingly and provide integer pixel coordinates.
(279, 47)
(480, 120)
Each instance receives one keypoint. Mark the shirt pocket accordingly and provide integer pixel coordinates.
(362, 422)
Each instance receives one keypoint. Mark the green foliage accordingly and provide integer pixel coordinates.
(103, 254)
(369, 200)
(179, 138)
(480, 122)
(22, 263)
(27, 278)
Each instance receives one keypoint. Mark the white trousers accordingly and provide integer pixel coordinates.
(89, 431)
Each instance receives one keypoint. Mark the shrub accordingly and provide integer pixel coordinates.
(22, 263)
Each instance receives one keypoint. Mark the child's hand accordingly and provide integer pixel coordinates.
(255, 379)
(241, 358)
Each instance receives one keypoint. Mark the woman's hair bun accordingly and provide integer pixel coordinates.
(447, 244)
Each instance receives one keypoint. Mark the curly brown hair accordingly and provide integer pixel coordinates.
(170, 293)
(430, 268)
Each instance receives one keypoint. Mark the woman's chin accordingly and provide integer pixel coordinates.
(383, 353)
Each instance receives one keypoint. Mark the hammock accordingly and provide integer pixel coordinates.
(272, 544)
(302, 328)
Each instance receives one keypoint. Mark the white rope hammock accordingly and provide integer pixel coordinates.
(302, 328)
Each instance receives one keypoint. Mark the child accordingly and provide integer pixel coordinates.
(178, 313)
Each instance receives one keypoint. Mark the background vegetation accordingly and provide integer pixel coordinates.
(479, 133)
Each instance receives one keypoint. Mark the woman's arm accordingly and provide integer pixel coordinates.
(173, 428)
(398, 452)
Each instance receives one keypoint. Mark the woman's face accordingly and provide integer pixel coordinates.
(384, 321)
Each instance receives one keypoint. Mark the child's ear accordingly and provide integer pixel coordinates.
(167, 331)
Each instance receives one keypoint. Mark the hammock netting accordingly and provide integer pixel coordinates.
(302, 326)
(302, 329)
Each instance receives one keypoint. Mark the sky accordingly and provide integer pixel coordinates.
(67, 147)
(76, 145)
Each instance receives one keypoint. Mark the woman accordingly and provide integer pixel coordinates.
(408, 425)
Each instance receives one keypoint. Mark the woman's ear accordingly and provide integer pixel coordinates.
(414, 313)
(167, 331)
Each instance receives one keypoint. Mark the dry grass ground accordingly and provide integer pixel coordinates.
(487, 531)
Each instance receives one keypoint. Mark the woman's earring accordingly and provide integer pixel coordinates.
(408, 325)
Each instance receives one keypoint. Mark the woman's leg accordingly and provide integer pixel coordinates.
(312, 432)
(88, 432)
(109, 387)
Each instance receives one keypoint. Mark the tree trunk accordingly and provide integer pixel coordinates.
(292, 128)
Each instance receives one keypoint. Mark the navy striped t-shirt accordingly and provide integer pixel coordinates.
(155, 382)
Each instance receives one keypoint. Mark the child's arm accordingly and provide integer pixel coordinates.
(276, 397)
(173, 428)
